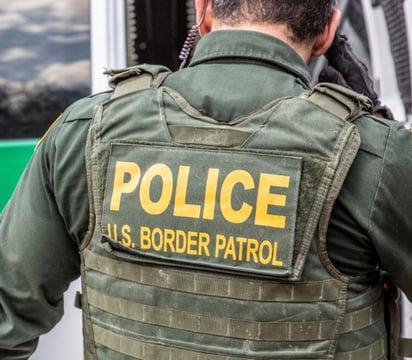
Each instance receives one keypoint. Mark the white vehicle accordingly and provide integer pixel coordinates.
(376, 29)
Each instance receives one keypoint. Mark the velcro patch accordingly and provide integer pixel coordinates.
(219, 209)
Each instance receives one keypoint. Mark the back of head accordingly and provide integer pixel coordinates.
(304, 18)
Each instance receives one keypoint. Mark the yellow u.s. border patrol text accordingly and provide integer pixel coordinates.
(235, 248)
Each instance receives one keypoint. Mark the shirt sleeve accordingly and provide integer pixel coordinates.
(371, 228)
(40, 232)
(391, 218)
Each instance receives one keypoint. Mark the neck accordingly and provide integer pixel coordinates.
(281, 32)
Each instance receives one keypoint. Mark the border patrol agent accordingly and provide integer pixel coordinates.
(224, 211)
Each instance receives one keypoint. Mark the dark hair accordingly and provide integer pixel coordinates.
(305, 18)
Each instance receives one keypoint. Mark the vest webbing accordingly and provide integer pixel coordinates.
(149, 308)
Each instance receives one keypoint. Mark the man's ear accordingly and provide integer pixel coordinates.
(204, 16)
(325, 39)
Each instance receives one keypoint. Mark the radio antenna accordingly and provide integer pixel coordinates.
(190, 39)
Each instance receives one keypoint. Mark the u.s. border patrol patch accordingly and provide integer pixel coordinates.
(198, 208)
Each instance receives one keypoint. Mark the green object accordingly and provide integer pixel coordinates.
(162, 214)
(14, 156)
(48, 218)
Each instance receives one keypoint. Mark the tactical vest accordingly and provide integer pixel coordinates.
(207, 240)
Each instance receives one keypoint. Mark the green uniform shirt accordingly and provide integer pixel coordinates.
(231, 74)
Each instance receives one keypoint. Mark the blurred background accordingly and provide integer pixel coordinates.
(54, 52)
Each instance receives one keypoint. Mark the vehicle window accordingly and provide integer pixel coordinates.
(44, 62)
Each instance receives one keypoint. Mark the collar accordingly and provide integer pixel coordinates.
(249, 46)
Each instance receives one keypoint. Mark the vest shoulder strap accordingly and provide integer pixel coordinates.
(125, 81)
(341, 101)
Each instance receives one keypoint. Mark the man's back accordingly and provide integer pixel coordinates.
(148, 222)
(138, 307)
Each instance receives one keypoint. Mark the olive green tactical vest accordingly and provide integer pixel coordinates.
(208, 239)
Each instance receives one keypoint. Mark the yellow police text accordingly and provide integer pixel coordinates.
(216, 191)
